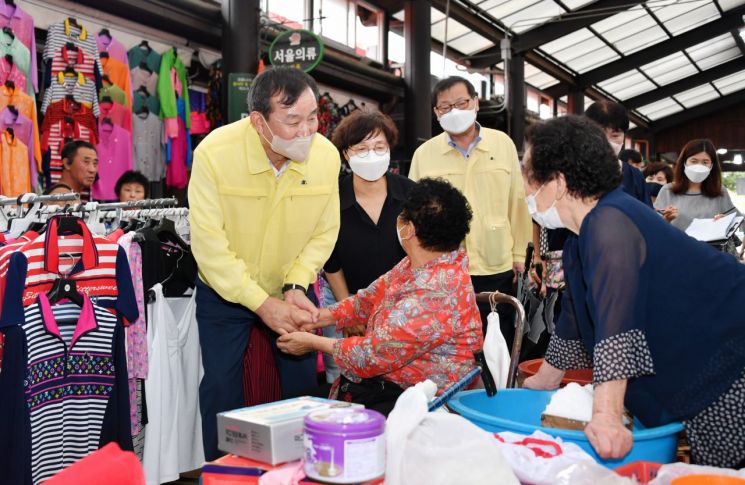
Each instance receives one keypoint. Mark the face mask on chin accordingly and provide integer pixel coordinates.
(295, 149)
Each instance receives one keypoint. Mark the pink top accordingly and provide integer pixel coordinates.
(23, 28)
(113, 47)
(114, 158)
(118, 114)
(10, 72)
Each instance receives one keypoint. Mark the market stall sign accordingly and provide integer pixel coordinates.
(239, 84)
(297, 48)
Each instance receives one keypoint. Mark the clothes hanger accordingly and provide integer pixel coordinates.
(9, 58)
(65, 288)
(12, 109)
(10, 84)
(74, 22)
(70, 46)
(105, 32)
(143, 110)
(144, 67)
(70, 71)
(144, 45)
(107, 100)
(103, 55)
(143, 90)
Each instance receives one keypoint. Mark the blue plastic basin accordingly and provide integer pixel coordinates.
(519, 411)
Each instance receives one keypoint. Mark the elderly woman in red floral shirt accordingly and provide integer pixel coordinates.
(421, 317)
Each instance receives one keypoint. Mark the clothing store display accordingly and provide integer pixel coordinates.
(118, 114)
(143, 53)
(172, 84)
(15, 169)
(140, 101)
(10, 45)
(11, 71)
(22, 26)
(114, 158)
(24, 104)
(214, 91)
(75, 59)
(118, 73)
(106, 43)
(64, 120)
(82, 90)
(142, 77)
(178, 151)
(149, 149)
(114, 92)
(24, 132)
(69, 30)
(173, 435)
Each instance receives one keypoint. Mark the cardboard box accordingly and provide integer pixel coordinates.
(270, 433)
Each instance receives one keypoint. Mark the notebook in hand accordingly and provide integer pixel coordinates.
(709, 230)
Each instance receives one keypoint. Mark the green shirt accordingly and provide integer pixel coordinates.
(166, 90)
(136, 55)
(115, 93)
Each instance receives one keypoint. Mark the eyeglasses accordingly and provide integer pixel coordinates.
(695, 161)
(362, 151)
(445, 108)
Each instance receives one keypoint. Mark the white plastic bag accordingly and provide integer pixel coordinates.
(496, 352)
(439, 448)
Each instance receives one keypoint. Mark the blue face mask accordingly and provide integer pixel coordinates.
(653, 188)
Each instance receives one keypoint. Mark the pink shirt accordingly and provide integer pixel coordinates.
(114, 158)
(11, 72)
(113, 47)
(23, 28)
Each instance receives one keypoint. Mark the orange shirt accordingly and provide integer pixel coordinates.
(118, 73)
(15, 172)
(26, 106)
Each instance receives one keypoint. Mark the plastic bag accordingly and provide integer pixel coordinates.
(668, 473)
(439, 448)
(496, 352)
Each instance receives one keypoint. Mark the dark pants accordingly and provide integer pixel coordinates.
(501, 282)
(224, 330)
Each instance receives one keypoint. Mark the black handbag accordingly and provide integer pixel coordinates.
(374, 393)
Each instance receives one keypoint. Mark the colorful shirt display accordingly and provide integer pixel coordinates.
(138, 54)
(149, 149)
(114, 158)
(23, 131)
(114, 92)
(21, 57)
(15, 170)
(26, 106)
(421, 324)
(118, 74)
(82, 90)
(142, 77)
(116, 49)
(167, 89)
(22, 25)
(76, 59)
(12, 72)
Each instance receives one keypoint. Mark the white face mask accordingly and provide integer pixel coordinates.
(295, 149)
(616, 147)
(400, 239)
(697, 173)
(549, 218)
(457, 121)
(372, 166)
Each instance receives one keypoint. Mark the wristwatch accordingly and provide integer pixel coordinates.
(293, 286)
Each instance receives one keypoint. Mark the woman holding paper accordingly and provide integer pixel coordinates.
(696, 191)
(655, 313)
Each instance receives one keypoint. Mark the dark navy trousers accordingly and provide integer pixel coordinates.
(224, 330)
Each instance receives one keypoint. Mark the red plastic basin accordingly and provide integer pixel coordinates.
(580, 376)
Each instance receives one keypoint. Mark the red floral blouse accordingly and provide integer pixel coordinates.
(421, 324)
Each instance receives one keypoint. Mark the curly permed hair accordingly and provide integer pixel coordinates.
(440, 213)
(577, 148)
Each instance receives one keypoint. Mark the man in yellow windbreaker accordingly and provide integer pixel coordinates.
(264, 214)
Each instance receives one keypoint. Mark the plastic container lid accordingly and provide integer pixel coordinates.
(354, 420)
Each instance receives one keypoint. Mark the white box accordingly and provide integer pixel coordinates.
(271, 433)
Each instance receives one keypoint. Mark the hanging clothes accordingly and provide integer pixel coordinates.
(11, 46)
(173, 435)
(15, 172)
(149, 149)
(114, 158)
(66, 31)
(118, 73)
(114, 92)
(144, 53)
(82, 90)
(22, 26)
(117, 113)
(143, 77)
(64, 120)
(139, 101)
(214, 90)
(23, 131)
(77, 60)
(27, 107)
(9, 71)
(172, 82)
(64, 388)
(115, 49)
(178, 150)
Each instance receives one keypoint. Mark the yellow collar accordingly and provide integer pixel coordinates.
(83, 32)
(61, 78)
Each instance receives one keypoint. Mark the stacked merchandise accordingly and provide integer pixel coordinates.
(20, 156)
(149, 139)
(70, 104)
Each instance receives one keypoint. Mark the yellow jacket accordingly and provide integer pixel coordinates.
(492, 182)
(252, 232)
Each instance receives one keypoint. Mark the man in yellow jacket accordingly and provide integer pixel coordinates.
(482, 163)
(264, 214)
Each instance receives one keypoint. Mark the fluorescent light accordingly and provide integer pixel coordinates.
(722, 151)
(737, 159)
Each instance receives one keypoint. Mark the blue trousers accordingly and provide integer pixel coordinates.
(224, 330)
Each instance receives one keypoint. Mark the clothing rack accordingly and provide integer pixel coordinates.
(134, 204)
(40, 199)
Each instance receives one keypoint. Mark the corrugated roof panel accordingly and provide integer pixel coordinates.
(455, 29)
(665, 64)
(730, 4)
(697, 95)
(733, 82)
(691, 19)
(657, 106)
(470, 43)
(593, 58)
(627, 85)
(616, 27)
(529, 16)
(711, 46)
(541, 80)
(719, 58)
(641, 39)
(575, 4)
(567, 41)
(656, 115)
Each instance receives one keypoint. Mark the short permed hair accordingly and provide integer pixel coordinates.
(440, 214)
(656, 167)
(360, 125)
(447, 83)
(71, 149)
(288, 82)
(130, 177)
(609, 114)
(577, 148)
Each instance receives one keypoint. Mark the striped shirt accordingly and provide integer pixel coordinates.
(63, 32)
(83, 91)
(54, 139)
(78, 60)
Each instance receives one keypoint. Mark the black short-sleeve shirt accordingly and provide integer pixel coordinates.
(364, 250)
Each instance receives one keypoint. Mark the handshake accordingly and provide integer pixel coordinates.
(295, 314)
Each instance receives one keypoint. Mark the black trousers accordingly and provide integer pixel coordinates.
(501, 282)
